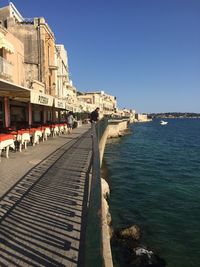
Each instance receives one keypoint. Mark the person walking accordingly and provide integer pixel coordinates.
(94, 115)
(70, 122)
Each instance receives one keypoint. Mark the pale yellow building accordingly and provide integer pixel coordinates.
(89, 101)
(71, 97)
(33, 66)
(142, 117)
(13, 95)
(11, 58)
(62, 77)
(85, 103)
(39, 48)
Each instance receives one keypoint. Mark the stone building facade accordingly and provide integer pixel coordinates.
(30, 99)
(62, 78)
(92, 100)
(12, 73)
(64, 86)
(141, 117)
(11, 58)
(39, 48)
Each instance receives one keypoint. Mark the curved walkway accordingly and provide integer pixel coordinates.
(42, 214)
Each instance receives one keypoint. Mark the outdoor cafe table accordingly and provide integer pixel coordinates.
(61, 128)
(23, 137)
(36, 134)
(45, 132)
(54, 129)
(65, 128)
(6, 141)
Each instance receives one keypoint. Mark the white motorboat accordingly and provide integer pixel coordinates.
(163, 122)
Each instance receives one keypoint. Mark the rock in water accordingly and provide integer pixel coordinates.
(137, 255)
(131, 232)
(146, 258)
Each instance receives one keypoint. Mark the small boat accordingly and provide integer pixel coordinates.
(163, 122)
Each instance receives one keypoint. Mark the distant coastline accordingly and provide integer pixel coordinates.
(175, 115)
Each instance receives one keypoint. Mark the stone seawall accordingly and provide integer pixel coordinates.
(116, 128)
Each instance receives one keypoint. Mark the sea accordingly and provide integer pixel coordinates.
(154, 177)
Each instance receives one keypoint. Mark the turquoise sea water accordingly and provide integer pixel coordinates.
(154, 175)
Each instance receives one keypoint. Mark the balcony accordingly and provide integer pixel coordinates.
(6, 69)
(53, 65)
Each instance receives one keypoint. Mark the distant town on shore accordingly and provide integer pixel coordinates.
(181, 115)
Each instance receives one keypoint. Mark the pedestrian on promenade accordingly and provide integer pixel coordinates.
(70, 122)
(94, 116)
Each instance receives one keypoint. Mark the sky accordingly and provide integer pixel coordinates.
(144, 52)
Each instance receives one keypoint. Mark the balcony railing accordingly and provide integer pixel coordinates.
(6, 69)
(27, 21)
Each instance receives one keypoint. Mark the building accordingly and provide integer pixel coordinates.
(142, 117)
(65, 88)
(71, 97)
(89, 101)
(109, 104)
(39, 48)
(12, 79)
(30, 59)
(62, 78)
(85, 103)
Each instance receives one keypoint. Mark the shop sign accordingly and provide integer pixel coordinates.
(59, 103)
(68, 107)
(41, 99)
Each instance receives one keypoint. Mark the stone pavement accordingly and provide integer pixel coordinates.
(43, 202)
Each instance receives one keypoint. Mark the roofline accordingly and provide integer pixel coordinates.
(16, 10)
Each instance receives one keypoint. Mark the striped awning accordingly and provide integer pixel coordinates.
(5, 44)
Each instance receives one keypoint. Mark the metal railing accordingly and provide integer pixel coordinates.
(27, 21)
(94, 240)
(6, 68)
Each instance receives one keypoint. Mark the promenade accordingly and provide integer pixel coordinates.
(43, 201)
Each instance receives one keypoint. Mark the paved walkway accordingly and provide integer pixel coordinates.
(43, 195)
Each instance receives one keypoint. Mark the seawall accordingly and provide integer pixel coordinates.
(115, 128)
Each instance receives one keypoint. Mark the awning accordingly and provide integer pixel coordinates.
(41, 99)
(14, 91)
(6, 44)
(24, 94)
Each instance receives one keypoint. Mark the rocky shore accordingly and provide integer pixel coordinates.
(127, 240)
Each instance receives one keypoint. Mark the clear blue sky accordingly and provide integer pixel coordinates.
(145, 52)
